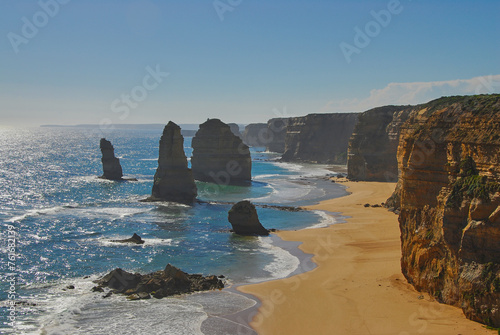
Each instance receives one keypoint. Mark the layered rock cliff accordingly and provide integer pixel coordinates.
(276, 132)
(449, 189)
(219, 156)
(256, 135)
(371, 155)
(173, 180)
(319, 138)
(111, 167)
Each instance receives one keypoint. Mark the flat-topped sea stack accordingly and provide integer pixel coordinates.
(374, 143)
(110, 164)
(219, 156)
(173, 180)
(276, 133)
(319, 138)
(256, 135)
(243, 217)
(449, 190)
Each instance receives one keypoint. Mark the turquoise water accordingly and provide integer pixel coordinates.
(65, 220)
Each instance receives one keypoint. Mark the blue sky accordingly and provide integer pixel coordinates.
(238, 60)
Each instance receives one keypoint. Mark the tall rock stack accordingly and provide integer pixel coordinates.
(173, 180)
(219, 156)
(110, 164)
(276, 133)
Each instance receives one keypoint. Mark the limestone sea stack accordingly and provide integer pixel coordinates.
(244, 219)
(219, 156)
(173, 180)
(110, 164)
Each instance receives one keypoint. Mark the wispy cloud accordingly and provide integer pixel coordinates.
(416, 92)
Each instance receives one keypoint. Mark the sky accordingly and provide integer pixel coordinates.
(151, 61)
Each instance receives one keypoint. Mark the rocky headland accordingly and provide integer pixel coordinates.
(449, 197)
(219, 156)
(111, 167)
(319, 138)
(173, 180)
(256, 135)
(276, 133)
(372, 151)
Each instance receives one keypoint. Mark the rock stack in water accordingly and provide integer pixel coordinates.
(110, 164)
(244, 219)
(173, 179)
(219, 156)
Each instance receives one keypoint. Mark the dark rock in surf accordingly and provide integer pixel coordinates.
(244, 219)
(159, 284)
(111, 167)
(135, 239)
(173, 180)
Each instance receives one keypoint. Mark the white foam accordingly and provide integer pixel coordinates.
(36, 212)
(108, 242)
(326, 220)
(284, 262)
(148, 159)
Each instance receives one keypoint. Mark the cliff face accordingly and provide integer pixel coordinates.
(110, 164)
(374, 143)
(449, 188)
(173, 180)
(276, 132)
(256, 135)
(219, 156)
(319, 138)
(235, 129)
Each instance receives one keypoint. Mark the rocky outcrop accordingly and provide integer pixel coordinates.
(372, 151)
(319, 138)
(256, 135)
(110, 164)
(449, 193)
(219, 156)
(173, 180)
(135, 239)
(244, 219)
(235, 129)
(159, 284)
(276, 132)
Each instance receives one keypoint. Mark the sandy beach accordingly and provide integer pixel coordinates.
(357, 287)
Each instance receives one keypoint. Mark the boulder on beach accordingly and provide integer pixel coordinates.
(159, 284)
(111, 167)
(173, 180)
(244, 219)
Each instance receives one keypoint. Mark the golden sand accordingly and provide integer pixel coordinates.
(357, 287)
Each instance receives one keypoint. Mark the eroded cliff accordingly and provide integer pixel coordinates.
(449, 162)
(373, 145)
(319, 138)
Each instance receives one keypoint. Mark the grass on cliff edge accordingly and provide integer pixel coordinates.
(470, 184)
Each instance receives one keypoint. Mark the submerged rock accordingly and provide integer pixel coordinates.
(173, 180)
(244, 219)
(110, 164)
(219, 156)
(136, 239)
(159, 284)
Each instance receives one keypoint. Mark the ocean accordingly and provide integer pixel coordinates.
(59, 220)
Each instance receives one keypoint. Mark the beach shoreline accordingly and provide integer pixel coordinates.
(357, 286)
